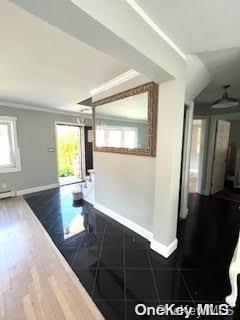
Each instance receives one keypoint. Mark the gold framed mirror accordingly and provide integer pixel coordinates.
(126, 122)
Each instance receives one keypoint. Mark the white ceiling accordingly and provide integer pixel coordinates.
(197, 26)
(207, 28)
(42, 66)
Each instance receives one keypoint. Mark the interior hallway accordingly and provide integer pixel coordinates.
(117, 267)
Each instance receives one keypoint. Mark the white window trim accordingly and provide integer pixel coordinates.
(123, 129)
(17, 160)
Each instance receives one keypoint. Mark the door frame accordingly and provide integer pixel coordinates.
(211, 146)
(82, 147)
(186, 157)
(186, 160)
(202, 155)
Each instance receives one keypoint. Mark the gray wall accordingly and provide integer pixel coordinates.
(206, 110)
(36, 132)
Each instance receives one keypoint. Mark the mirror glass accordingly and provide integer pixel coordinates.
(123, 123)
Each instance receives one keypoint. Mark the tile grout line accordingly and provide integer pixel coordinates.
(100, 253)
(185, 283)
(153, 274)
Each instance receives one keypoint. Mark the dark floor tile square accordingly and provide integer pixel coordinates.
(91, 239)
(73, 242)
(171, 286)
(133, 241)
(86, 257)
(111, 257)
(140, 285)
(109, 284)
(111, 310)
(159, 262)
(113, 227)
(70, 255)
(207, 285)
(87, 278)
(114, 238)
(136, 258)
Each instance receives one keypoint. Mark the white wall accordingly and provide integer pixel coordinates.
(125, 183)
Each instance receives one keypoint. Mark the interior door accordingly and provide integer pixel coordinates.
(220, 155)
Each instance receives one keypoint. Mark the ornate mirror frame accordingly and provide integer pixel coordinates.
(152, 89)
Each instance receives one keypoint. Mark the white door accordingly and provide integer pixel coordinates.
(220, 156)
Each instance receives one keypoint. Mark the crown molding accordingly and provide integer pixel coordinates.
(38, 108)
(155, 27)
(115, 82)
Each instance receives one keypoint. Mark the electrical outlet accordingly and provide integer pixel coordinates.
(4, 186)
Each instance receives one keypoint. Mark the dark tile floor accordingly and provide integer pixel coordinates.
(117, 267)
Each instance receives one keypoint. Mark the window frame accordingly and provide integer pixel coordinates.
(15, 166)
(123, 129)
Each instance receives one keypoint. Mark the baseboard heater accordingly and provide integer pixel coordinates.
(6, 194)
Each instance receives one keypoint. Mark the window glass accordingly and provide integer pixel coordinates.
(129, 140)
(5, 144)
(114, 138)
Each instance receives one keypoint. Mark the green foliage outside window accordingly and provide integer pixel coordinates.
(67, 150)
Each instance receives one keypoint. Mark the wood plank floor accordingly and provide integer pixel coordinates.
(35, 280)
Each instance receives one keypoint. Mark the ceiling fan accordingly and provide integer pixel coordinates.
(225, 101)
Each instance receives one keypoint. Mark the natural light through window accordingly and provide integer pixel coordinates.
(9, 152)
(118, 137)
(5, 143)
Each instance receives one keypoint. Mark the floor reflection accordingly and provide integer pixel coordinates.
(117, 266)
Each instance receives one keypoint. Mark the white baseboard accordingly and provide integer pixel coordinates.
(8, 194)
(125, 221)
(37, 189)
(163, 250)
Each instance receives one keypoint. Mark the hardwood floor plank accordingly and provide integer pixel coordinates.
(36, 282)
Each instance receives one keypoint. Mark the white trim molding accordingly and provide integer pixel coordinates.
(40, 108)
(162, 249)
(155, 27)
(114, 82)
(15, 164)
(37, 189)
(125, 221)
(7, 194)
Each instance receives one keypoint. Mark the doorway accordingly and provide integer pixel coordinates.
(70, 153)
(220, 156)
(197, 155)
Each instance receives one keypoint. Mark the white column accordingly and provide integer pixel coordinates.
(186, 162)
(168, 166)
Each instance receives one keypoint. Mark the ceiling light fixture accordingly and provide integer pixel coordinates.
(225, 101)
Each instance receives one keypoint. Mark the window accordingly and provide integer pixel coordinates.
(9, 151)
(118, 137)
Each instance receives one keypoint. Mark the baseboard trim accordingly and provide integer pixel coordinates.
(125, 221)
(162, 249)
(8, 194)
(37, 189)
